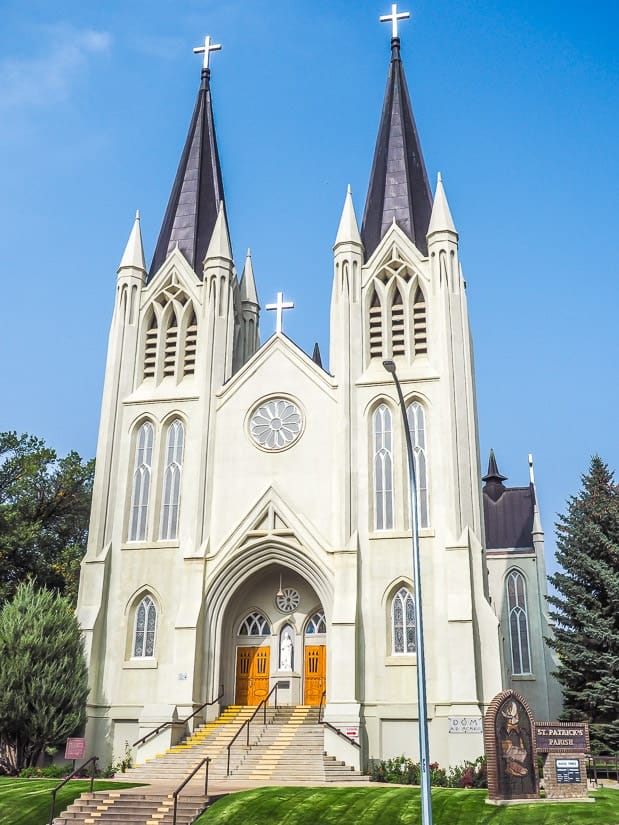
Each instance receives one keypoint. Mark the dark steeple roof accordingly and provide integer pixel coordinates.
(198, 188)
(494, 486)
(398, 184)
(316, 355)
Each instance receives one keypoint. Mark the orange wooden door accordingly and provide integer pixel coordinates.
(252, 675)
(315, 673)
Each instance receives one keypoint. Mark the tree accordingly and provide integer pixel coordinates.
(44, 511)
(43, 677)
(586, 607)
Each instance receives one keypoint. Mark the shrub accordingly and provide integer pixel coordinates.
(404, 771)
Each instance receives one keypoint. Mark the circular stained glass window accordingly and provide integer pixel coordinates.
(287, 600)
(276, 424)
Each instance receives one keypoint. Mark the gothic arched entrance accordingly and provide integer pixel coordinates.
(275, 631)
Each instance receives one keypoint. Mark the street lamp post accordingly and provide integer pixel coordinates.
(426, 798)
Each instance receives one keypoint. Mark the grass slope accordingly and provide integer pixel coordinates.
(27, 801)
(397, 806)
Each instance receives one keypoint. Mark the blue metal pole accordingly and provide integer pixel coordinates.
(424, 756)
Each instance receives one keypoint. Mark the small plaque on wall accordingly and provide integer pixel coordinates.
(465, 724)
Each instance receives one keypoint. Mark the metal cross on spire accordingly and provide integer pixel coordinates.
(279, 306)
(207, 49)
(394, 17)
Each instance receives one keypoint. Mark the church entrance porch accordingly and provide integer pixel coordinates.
(276, 630)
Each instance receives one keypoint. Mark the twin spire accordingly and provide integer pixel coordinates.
(398, 191)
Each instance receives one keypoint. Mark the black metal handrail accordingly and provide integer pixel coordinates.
(206, 761)
(55, 790)
(179, 721)
(247, 722)
(321, 706)
(339, 733)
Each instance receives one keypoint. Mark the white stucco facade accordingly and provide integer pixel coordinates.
(250, 519)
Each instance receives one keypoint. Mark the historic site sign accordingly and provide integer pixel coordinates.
(562, 737)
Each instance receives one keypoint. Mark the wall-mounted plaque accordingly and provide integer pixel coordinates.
(568, 771)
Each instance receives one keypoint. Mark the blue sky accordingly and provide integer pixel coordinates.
(516, 104)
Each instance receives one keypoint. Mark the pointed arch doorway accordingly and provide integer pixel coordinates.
(271, 640)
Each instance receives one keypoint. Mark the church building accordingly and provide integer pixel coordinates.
(250, 521)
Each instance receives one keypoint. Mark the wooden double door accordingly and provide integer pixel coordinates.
(253, 671)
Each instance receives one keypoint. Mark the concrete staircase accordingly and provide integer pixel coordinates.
(287, 749)
(128, 807)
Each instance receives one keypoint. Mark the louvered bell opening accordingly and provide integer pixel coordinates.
(420, 331)
(150, 351)
(397, 325)
(169, 357)
(191, 341)
(376, 329)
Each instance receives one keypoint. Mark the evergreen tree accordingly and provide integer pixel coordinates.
(44, 511)
(586, 607)
(43, 677)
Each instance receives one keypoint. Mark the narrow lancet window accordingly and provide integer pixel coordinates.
(376, 328)
(417, 428)
(150, 348)
(383, 469)
(172, 481)
(397, 324)
(518, 623)
(145, 629)
(403, 622)
(171, 339)
(141, 483)
(191, 342)
(420, 328)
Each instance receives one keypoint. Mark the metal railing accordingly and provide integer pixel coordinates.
(339, 733)
(263, 705)
(179, 721)
(607, 765)
(93, 760)
(321, 706)
(206, 761)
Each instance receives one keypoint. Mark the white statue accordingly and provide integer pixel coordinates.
(285, 654)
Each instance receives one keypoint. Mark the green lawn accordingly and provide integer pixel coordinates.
(27, 801)
(397, 806)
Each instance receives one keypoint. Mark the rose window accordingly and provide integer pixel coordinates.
(287, 600)
(276, 424)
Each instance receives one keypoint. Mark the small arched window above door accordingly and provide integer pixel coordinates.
(255, 625)
(316, 624)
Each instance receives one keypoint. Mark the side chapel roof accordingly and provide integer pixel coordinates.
(508, 511)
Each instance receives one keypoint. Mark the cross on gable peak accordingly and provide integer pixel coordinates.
(279, 306)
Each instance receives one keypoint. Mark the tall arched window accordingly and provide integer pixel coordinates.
(420, 329)
(403, 622)
(145, 629)
(376, 328)
(172, 481)
(417, 428)
(397, 324)
(141, 483)
(518, 623)
(383, 469)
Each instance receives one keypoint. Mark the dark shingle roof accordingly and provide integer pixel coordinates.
(508, 511)
(198, 188)
(399, 185)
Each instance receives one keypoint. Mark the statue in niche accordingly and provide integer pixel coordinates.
(285, 651)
